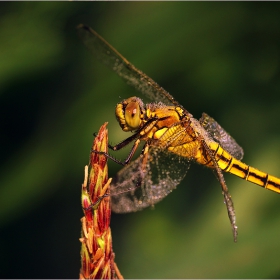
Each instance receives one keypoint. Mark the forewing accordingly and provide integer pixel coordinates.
(135, 188)
(114, 60)
(221, 136)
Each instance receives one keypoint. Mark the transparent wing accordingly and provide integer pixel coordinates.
(135, 188)
(114, 60)
(221, 136)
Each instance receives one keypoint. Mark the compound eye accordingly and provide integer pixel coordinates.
(133, 115)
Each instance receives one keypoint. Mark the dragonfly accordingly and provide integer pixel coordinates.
(172, 137)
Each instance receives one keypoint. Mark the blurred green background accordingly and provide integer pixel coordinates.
(220, 57)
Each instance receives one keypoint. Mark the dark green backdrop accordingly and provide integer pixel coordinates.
(222, 58)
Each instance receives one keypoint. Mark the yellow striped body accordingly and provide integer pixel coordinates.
(230, 164)
(227, 163)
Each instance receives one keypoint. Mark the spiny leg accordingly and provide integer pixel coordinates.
(135, 137)
(228, 202)
(140, 175)
(96, 203)
(130, 183)
(227, 197)
(143, 156)
(129, 157)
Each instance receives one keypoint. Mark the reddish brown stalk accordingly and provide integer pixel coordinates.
(97, 256)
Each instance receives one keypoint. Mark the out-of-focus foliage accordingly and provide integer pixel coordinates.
(218, 57)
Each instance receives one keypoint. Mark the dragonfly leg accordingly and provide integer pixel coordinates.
(103, 194)
(146, 128)
(227, 197)
(124, 143)
(144, 155)
(129, 157)
(144, 160)
(132, 151)
(108, 156)
(229, 203)
(135, 137)
(96, 203)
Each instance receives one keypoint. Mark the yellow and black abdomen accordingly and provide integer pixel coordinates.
(230, 164)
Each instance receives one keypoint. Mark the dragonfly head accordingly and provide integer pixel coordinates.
(129, 113)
